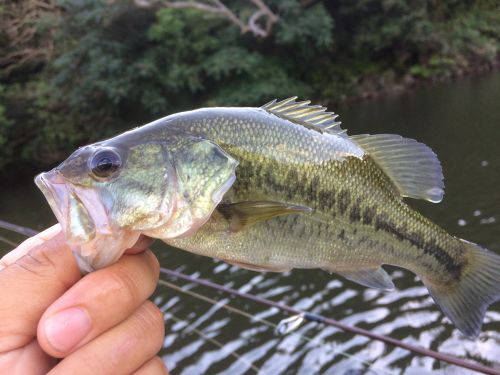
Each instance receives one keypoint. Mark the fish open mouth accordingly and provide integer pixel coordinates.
(79, 209)
(56, 192)
(94, 240)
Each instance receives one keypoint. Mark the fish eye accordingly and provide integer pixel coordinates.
(105, 163)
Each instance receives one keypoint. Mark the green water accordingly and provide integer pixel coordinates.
(461, 122)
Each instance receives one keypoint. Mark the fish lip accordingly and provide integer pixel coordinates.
(57, 196)
(43, 184)
(58, 191)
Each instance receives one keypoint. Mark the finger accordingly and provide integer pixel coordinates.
(141, 245)
(97, 302)
(121, 350)
(40, 271)
(154, 366)
(30, 359)
(29, 244)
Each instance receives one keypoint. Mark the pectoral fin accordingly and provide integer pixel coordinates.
(242, 214)
(371, 277)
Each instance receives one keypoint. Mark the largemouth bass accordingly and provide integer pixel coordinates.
(272, 189)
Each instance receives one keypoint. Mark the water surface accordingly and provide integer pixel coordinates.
(461, 122)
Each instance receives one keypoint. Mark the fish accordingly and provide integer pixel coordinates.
(273, 188)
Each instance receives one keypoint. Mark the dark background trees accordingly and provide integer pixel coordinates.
(73, 71)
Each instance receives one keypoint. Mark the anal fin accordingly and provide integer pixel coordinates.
(371, 277)
(257, 268)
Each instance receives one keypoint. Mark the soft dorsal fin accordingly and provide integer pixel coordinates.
(412, 166)
(311, 116)
(242, 214)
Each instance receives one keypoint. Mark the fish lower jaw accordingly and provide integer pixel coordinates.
(103, 250)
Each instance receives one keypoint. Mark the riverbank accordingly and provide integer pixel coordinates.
(99, 68)
(373, 88)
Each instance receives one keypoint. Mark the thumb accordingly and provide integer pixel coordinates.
(32, 277)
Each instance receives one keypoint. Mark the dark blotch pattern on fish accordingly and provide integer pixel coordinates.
(341, 235)
(269, 180)
(417, 239)
(368, 215)
(326, 199)
(312, 188)
(291, 181)
(344, 199)
(355, 211)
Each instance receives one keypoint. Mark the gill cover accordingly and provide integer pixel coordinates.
(204, 173)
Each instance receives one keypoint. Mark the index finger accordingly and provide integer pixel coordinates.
(33, 276)
(53, 233)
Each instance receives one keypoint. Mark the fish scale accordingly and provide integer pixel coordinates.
(272, 189)
(276, 174)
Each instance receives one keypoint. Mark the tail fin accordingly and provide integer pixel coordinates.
(465, 302)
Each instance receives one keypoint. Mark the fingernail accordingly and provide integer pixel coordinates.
(67, 328)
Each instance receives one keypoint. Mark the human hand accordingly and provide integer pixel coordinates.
(53, 319)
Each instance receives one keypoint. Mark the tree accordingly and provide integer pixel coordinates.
(87, 69)
(259, 22)
(27, 34)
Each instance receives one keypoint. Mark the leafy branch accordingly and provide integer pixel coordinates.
(24, 43)
(259, 23)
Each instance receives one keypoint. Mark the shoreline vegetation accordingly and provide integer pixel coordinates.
(72, 72)
(409, 83)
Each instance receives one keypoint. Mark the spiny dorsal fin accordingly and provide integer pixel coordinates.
(412, 166)
(311, 116)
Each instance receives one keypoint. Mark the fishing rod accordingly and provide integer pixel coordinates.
(28, 232)
(335, 323)
(199, 333)
(7, 241)
(284, 327)
(312, 317)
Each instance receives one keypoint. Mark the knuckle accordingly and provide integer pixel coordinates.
(153, 366)
(38, 262)
(159, 366)
(153, 314)
(153, 263)
(40, 255)
(126, 284)
(46, 263)
(150, 320)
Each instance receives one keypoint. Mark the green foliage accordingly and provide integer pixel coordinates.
(426, 39)
(5, 125)
(115, 65)
(308, 31)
